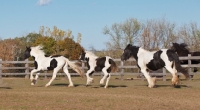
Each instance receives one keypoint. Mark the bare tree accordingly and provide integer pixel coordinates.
(122, 34)
(156, 34)
(190, 34)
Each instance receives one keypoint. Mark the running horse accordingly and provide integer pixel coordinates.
(54, 63)
(154, 60)
(97, 64)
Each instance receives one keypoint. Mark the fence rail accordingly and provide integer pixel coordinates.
(27, 68)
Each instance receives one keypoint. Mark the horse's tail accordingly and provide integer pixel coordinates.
(74, 67)
(114, 67)
(178, 66)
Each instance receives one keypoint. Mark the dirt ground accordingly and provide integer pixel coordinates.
(18, 94)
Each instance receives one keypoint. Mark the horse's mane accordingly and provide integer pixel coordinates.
(90, 53)
(181, 46)
(38, 49)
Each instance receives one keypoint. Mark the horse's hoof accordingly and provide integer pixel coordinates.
(105, 87)
(176, 86)
(70, 85)
(32, 84)
(151, 86)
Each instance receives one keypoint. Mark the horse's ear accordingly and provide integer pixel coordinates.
(83, 51)
(183, 44)
(129, 45)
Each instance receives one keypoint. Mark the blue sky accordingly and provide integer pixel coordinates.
(89, 17)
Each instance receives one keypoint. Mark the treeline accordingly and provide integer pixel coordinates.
(55, 42)
(150, 34)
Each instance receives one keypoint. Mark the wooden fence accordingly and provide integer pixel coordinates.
(27, 68)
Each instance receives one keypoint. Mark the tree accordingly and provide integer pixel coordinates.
(190, 34)
(122, 34)
(58, 35)
(48, 43)
(156, 34)
(70, 49)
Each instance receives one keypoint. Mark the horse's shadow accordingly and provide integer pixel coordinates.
(64, 84)
(5, 88)
(170, 86)
(92, 86)
(177, 86)
(109, 86)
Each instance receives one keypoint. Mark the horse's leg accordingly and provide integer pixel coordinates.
(175, 79)
(89, 79)
(195, 69)
(65, 69)
(53, 76)
(31, 76)
(104, 77)
(36, 77)
(150, 80)
(108, 79)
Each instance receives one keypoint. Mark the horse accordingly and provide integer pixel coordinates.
(43, 62)
(154, 60)
(182, 50)
(97, 64)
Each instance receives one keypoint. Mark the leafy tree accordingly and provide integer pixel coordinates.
(70, 48)
(48, 44)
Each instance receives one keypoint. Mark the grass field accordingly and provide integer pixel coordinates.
(18, 94)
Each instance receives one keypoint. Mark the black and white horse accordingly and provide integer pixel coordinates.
(154, 60)
(54, 63)
(104, 64)
(182, 51)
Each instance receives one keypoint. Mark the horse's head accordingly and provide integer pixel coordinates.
(27, 53)
(86, 55)
(127, 53)
(181, 49)
(82, 56)
(175, 46)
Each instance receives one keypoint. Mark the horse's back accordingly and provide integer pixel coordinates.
(49, 61)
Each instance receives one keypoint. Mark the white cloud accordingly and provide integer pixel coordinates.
(43, 2)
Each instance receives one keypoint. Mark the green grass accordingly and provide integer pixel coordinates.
(18, 94)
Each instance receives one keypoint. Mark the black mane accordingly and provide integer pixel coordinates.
(181, 49)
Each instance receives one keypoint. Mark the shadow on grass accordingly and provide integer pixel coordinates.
(177, 86)
(64, 84)
(109, 86)
(160, 86)
(5, 88)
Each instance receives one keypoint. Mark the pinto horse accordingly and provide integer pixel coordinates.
(154, 60)
(182, 51)
(94, 63)
(54, 63)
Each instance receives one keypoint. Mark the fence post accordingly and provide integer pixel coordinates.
(164, 74)
(0, 69)
(189, 64)
(27, 69)
(122, 70)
